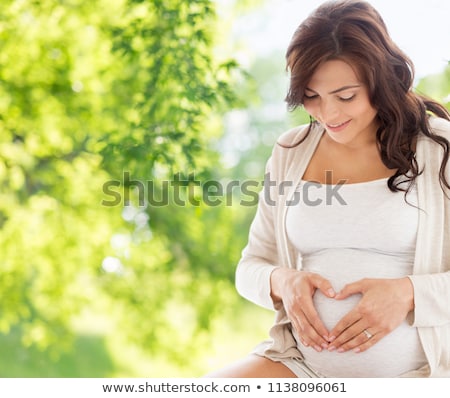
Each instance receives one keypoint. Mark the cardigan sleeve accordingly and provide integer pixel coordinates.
(259, 257)
(432, 299)
(431, 283)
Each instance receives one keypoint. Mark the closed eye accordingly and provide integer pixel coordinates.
(347, 99)
(310, 97)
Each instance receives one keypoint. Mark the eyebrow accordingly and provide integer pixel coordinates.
(339, 89)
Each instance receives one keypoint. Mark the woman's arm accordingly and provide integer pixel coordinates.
(260, 256)
(432, 299)
(261, 279)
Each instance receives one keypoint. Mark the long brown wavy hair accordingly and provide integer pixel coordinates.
(353, 31)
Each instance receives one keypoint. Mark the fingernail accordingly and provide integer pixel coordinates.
(331, 292)
(317, 348)
(340, 350)
(331, 348)
(305, 343)
(357, 349)
(332, 338)
(324, 345)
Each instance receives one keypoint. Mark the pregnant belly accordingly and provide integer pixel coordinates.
(397, 353)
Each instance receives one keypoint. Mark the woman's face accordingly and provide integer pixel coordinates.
(337, 99)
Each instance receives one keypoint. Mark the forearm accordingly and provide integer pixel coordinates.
(253, 282)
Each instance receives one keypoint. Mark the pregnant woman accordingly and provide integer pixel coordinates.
(350, 244)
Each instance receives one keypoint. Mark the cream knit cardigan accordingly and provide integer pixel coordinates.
(268, 247)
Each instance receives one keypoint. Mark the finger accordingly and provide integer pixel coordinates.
(360, 342)
(370, 342)
(323, 285)
(318, 332)
(308, 333)
(310, 326)
(298, 323)
(321, 337)
(308, 323)
(297, 331)
(340, 333)
(349, 338)
(350, 289)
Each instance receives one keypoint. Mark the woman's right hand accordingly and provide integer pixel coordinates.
(295, 289)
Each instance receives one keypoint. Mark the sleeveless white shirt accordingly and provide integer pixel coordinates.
(346, 233)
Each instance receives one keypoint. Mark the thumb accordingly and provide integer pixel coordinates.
(323, 285)
(349, 289)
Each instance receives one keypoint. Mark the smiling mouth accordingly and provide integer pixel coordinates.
(337, 128)
(334, 126)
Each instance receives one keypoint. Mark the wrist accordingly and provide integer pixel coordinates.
(407, 290)
(277, 282)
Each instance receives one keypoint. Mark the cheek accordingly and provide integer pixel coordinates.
(363, 110)
(311, 109)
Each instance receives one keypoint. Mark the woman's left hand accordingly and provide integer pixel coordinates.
(384, 305)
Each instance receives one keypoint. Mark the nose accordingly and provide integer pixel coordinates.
(329, 111)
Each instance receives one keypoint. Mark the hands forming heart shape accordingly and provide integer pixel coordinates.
(383, 306)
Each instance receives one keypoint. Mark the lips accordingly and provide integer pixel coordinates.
(338, 127)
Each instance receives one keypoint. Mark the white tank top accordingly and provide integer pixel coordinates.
(346, 233)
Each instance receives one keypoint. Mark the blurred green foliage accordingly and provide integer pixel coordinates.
(437, 86)
(89, 90)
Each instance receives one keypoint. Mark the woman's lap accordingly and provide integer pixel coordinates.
(255, 366)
